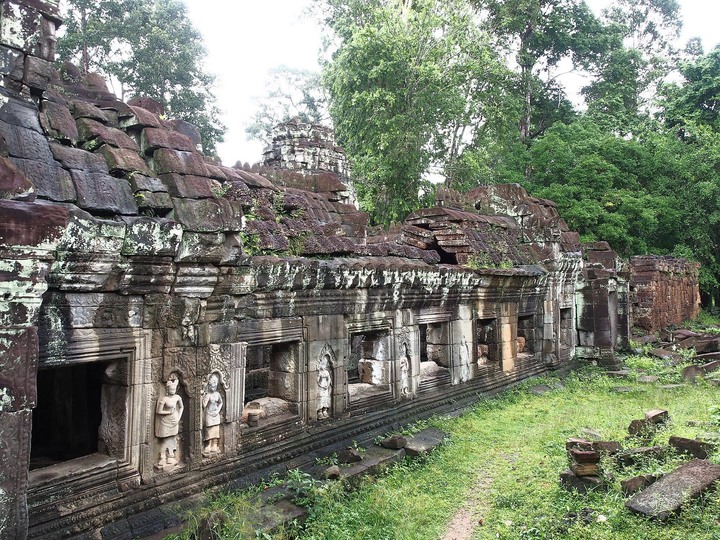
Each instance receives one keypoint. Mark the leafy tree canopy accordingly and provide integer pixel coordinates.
(469, 88)
(145, 48)
(290, 93)
(411, 85)
(697, 99)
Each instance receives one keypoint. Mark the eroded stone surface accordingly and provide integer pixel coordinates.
(424, 441)
(668, 494)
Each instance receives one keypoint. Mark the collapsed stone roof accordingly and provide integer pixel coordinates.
(65, 138)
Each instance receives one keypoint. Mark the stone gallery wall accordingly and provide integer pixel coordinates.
(665, 291)
(169, 325)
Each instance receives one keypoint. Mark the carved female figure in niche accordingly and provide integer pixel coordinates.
(168, 412)
(404, 370)
(212, 404)
(324, 382)
(464, 360)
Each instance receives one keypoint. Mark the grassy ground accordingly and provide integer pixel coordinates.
(513, 447)
(502, 462)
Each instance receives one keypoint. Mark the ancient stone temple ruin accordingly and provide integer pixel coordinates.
(170, 325)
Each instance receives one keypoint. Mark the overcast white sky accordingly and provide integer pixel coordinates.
(245, 38)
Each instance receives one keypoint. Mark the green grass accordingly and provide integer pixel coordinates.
(514, 446)
(704, 322)
(505, 455)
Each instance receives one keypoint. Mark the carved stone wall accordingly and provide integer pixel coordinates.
(603, 324)
(223, 321)
(664, 292)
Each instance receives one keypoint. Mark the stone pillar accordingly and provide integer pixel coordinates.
(507, 330)
(550, 332)
(28, 235)
(326, 335)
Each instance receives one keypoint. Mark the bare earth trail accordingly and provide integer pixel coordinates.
(463, 524)
(471, 515)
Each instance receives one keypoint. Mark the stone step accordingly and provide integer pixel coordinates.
(424, 441)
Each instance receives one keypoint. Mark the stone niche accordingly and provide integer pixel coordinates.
(272, 383)
(435, 346)
(371, 358)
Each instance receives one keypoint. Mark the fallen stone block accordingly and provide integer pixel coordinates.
(635, 455)
(657, 416)
(375, 461)
(637, 483)
(585, 469)
(424, 441)
(683, 333)
(540, 389)
(584, 456)
(695, 448)
(280, 513)
(692, 373)
(668, 494)
(349, 455)
(591, 433)
(581, 484)
(394, 442)
(641, 428)
(580, 444)
(648, 379)
(648, 339)
(607, 447)
(662, 354)
(711, 366)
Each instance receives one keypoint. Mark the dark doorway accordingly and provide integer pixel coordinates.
(67, 417)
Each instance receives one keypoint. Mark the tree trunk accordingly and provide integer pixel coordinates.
(85, 55)
(526, 117)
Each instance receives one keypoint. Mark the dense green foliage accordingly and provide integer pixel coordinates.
(410, 87)
(470, 90)
(145, 49)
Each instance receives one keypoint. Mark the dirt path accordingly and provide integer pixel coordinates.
(471, 515)
(463, 524)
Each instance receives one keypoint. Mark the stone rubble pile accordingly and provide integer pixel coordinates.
(650, 495)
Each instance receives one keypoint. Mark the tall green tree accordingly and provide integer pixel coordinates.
(289, 93)
(412, 86)
(542, 33)
(652, 192)
(640, 35)
(145, 48)
(697, 98)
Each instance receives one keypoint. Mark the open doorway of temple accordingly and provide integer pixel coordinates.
(434, 355)
(68, 414)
